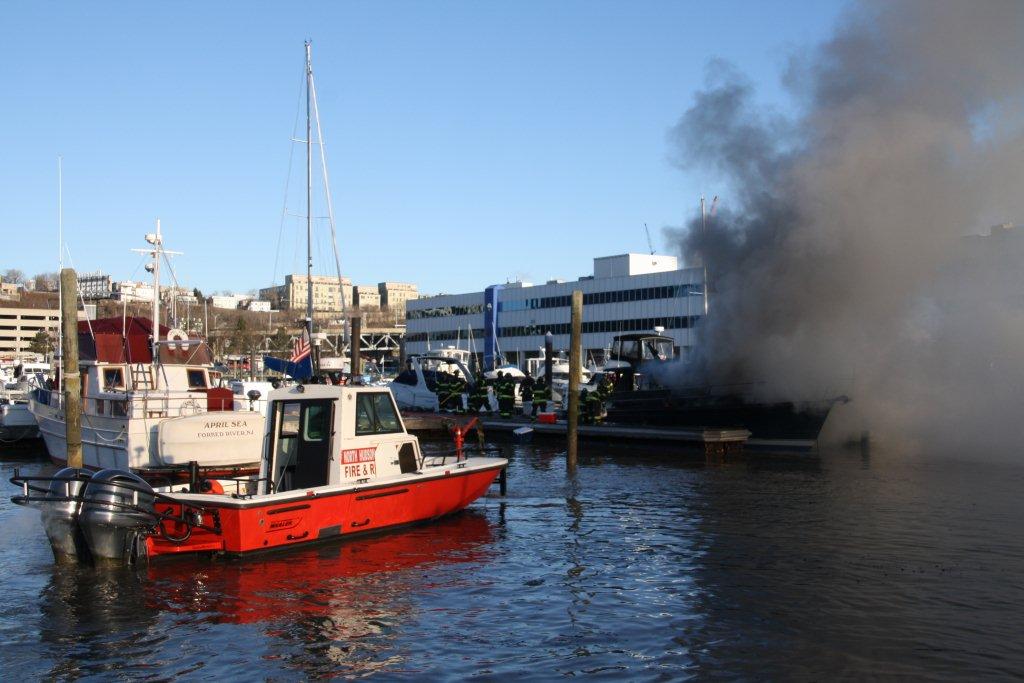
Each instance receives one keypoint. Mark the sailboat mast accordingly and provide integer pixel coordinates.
(60, 261)
(309, 192)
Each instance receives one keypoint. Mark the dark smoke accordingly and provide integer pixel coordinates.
(839, 262)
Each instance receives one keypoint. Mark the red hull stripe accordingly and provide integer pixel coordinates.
(257, 528)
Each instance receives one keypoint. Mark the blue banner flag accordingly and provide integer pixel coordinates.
(297, 370)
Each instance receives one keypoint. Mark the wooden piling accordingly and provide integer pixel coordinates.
(71, 380)
(575, 369)
(549, 358)
(355, 366)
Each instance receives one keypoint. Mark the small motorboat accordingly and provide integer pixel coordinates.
(16, 422)
(415, 388)
(336, 462)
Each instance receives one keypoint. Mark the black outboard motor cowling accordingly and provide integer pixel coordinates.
(116, 507)
(60, 510)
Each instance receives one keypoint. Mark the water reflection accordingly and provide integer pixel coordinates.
(638, 566)
(340, 606)
(95, 617)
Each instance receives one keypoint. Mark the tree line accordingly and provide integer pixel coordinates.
(44, 282)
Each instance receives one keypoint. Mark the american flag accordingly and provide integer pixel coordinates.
(301, 348)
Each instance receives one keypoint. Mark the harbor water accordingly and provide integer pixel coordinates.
(849, 564)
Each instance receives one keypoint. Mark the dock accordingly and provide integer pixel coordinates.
(431, 423)
(716, 443)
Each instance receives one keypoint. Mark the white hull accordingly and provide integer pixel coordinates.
(134, 444)
(107, 442)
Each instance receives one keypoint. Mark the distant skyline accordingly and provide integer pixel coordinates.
(467, 143)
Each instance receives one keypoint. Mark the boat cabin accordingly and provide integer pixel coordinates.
(630, 352)
(320, 435)
(117, 366)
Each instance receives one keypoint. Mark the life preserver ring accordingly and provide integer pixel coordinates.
(190, 407)
(211, 486)
(174, 336)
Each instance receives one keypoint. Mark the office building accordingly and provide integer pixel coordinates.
(626, 293)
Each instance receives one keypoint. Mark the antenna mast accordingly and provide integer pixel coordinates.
(156, 253)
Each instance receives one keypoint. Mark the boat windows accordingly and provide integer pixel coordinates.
(119, 408)
(196, 379)
(290, 419)
(113, 378)
(376, 414)
(315, 425)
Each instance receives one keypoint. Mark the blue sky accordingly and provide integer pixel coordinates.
(468, 143)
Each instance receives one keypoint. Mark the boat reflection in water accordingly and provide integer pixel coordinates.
(343, 603)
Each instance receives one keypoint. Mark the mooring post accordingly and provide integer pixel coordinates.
(549, 353)
(355, 366)
(71, 381)
(575, 369)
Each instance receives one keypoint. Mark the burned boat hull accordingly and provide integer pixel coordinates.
(765, 420)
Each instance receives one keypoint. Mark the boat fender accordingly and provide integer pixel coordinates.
(210, 486)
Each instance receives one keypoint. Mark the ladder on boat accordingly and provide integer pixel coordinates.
(141, 377)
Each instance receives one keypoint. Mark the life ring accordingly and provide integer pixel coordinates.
(176, 336)
(190, 407)
(211, 486)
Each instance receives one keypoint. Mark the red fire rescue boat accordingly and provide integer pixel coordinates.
(336, 461)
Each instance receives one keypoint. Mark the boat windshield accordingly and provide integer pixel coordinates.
(657, 349)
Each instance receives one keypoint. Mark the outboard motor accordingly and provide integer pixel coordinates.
(116, 506)
(61, 506)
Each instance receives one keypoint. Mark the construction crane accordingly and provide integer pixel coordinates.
(650, 245)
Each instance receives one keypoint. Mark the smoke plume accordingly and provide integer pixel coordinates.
(838, 261)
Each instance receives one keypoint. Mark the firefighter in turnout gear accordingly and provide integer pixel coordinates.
(582, 414)
(595, 407)
(526, 393)
(479, 398)
(541, 396)
(444, 391)
(459, 387)
(506, 395)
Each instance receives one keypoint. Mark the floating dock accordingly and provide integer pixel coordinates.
(431, 423)
(714, 442)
